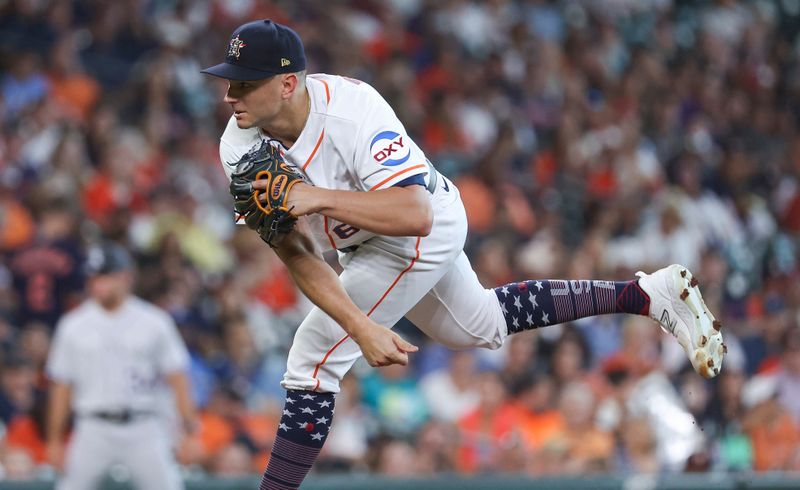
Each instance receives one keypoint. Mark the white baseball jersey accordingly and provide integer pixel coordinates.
(116, 360)
(353, 141)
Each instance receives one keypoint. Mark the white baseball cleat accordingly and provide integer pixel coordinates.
(676, 304)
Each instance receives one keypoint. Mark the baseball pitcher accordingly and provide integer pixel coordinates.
(322, 162)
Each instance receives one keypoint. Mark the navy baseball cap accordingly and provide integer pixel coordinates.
(259, 50)
(107, 258)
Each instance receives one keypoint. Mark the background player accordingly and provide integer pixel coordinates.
(401, 228)
(108, 363)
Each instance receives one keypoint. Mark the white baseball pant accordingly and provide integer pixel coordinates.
(429, 280)
(141, 445)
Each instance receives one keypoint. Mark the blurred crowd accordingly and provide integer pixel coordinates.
(589, 139)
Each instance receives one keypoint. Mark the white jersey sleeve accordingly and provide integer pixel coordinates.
(172, 353)
(235, 143)
(384, 154)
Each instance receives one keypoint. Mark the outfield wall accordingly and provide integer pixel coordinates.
(708, 481)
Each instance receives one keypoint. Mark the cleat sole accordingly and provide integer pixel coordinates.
(706, 349)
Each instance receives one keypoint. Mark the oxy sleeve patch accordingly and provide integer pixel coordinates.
(390, 148)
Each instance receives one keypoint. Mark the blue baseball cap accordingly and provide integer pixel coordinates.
(259, 50)
(107, 258)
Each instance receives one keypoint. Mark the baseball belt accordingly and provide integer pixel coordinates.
(120, 416)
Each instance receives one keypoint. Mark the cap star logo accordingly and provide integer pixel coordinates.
(234, 47)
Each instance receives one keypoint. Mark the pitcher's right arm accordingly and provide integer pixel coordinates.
(318, 281)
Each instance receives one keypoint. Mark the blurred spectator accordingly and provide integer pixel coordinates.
(76, 92)
(588, 449)
(242, 367)
(638, 452)
(232, 462)
(16, 224)
(47, 272)
(771, 428)
(435, 449)
(487, 431)
(395, 397)
(764, 343)
(34, 345)
(570, 360)
(723, 422)
(17, 387)
(23, 84)
(694, 392)
(227, 428)
(216, 431)
(27, 431)
(396, 459)
(450, 393)
(347, 444)
(521, 357)
(540, 420)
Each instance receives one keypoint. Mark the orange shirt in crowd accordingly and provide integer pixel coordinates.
(16, 225)
(77, 93)
(276, 290)
(22, 434)
(776, 443)
(479, 203)
(482, 436)
(261, 429)
(215, 433)
(539, 428)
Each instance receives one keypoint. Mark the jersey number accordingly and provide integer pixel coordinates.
(344, 230)
(40, 291)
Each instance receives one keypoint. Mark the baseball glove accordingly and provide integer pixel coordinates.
(272, 218)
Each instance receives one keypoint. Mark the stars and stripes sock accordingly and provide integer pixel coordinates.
(302, 431)
(533, 304)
